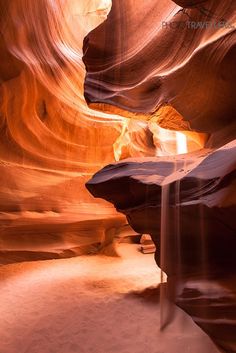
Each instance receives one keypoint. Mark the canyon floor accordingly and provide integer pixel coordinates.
(91, 304)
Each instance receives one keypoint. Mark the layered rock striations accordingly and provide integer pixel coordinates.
(50, 141)
(173, 66)
(148, 70)
(162, 54)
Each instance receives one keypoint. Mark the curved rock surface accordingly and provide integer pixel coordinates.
(51, 143)
(193, 197)
(140, 60)
(146, 61)
(174, 65)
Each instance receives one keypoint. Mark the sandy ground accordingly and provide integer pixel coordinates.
(91, 304)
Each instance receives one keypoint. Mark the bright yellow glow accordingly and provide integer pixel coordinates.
(181, 143)
(169, 142)
(133, 138)
(122, 141)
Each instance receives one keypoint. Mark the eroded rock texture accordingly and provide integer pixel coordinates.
(200, 184)
(168, 58)
(50, 141)
(147, 61)
(188, 205)
(142, 58)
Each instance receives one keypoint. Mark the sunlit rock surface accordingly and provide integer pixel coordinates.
(144, 60)
(152, 56)
(165, 62)
(51, 142)
(188, 204)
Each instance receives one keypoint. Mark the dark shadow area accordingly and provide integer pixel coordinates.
(149, 295)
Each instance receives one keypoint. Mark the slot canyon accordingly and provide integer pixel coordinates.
(118, 176)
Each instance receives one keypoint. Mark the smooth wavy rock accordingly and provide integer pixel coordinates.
(193, 196)
(139, 60)
(50, 141)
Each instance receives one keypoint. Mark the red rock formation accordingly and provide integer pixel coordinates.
(152, 56)
(182, 61)
(51, 142)
(147, 63)
(189, 3)
(194, 231)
